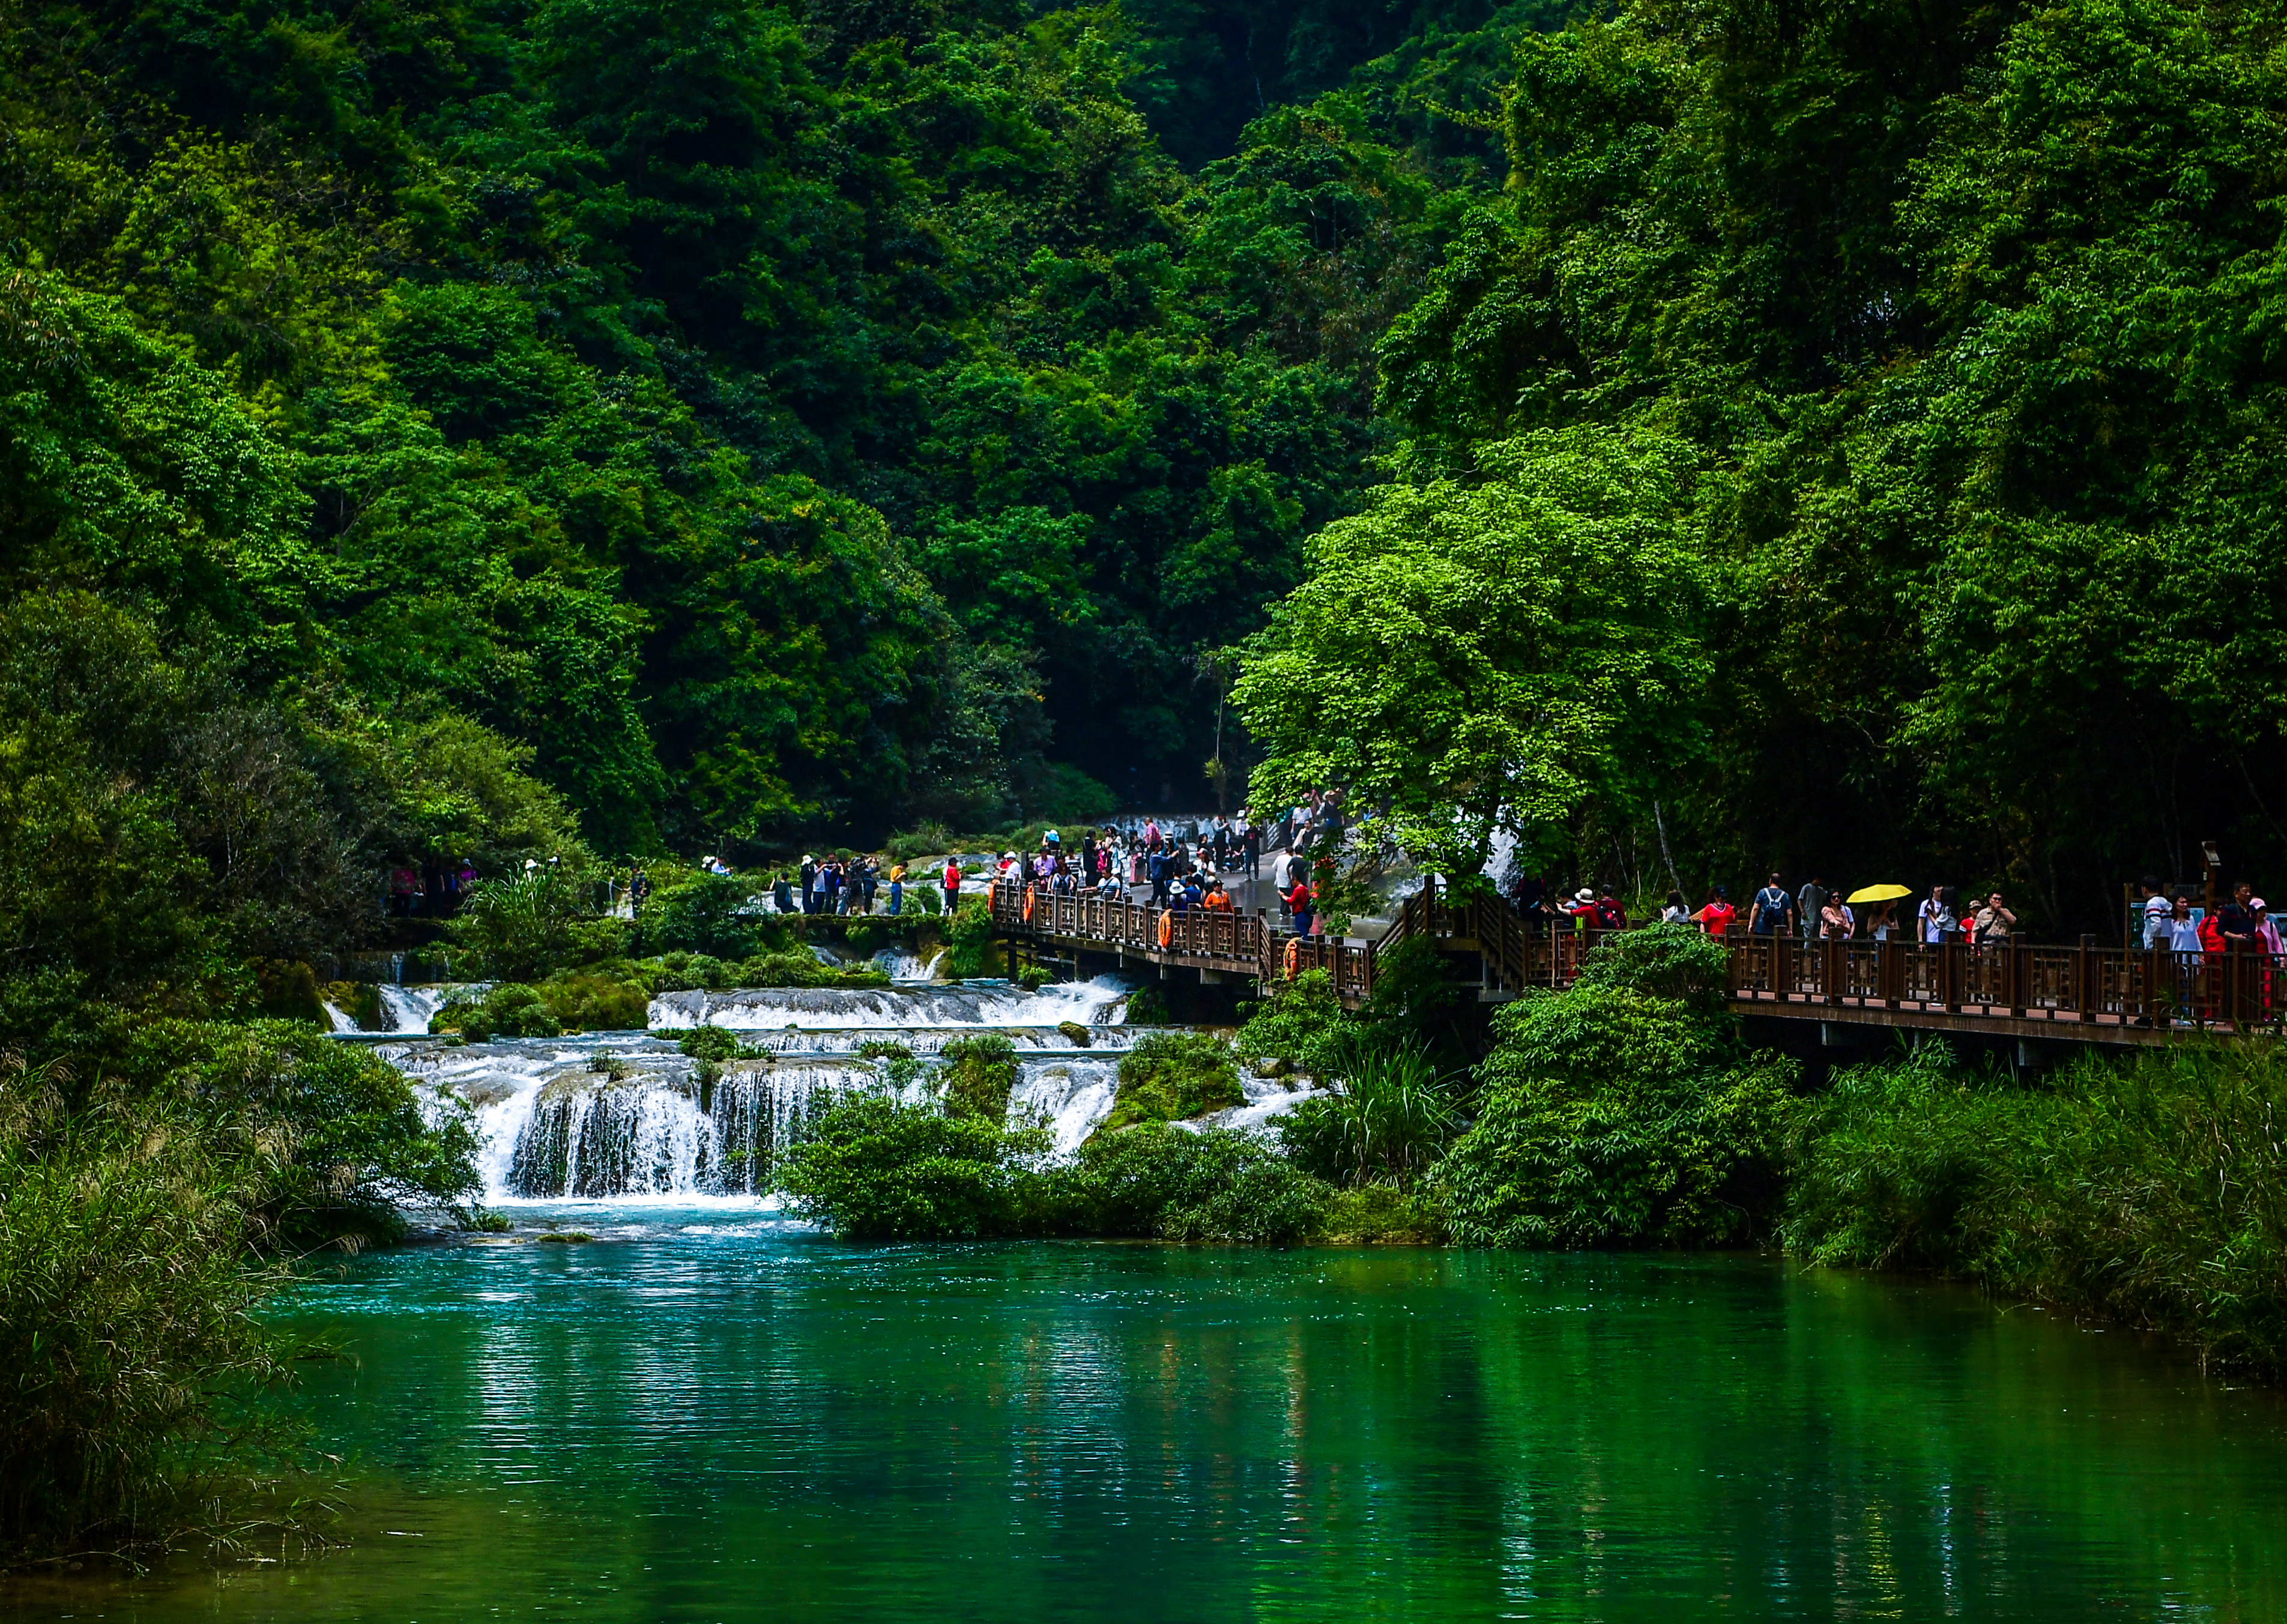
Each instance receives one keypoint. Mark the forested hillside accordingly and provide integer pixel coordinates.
(1694, 437)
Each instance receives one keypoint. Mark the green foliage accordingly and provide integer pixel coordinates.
(358, 1145)
(873, 1170)
(1173, 1184)
(979, 1072)
(968, 940)
(1679, 962)
(1381, 1214)
(127, 1321)
(521, 927)
(2144, 1189)
(1173, 1077)
(708, 1043)
(1491, 654)
(1301, 1022)
(1607, 1117)
(705, 914)
(1388, 1118)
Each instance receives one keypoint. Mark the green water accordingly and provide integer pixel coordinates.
(714, 1417)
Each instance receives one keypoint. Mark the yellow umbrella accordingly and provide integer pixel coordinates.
(1879, 893)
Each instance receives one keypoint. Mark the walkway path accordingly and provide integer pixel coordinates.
(2084, 993)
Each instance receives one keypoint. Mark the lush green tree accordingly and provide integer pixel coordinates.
(1472, 659)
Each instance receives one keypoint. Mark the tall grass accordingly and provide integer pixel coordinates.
(2150, 1189)
(1389, 1117)
(128, 1341)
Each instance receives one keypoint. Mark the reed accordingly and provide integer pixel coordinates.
(2150, 1190)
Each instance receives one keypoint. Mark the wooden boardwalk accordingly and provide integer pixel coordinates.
(2082, 993)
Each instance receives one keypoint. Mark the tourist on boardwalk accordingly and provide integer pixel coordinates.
(1298, 904)
(1834, 921)
(951, 879)
(1936, 915)
(1994, 921)
(1674, 913)
(2235, 921)
(1767, 914)
(1716, 915)
(1608, 914)
(2156, 913)
(1159, 868)
(2184, 954)
(1810, 906)
(1215, 898)
(638, 891)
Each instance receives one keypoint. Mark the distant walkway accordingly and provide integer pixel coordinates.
(2084, 993)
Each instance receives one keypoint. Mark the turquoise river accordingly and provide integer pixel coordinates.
(709, 1413)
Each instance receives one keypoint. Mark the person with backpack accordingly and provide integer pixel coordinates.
(781, 894)
(1767, 914)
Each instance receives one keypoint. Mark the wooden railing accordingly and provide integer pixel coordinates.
(2085, 985)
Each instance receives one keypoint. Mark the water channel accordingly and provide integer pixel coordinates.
(712, 1412)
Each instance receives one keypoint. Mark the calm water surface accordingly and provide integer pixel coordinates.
(710, 1415)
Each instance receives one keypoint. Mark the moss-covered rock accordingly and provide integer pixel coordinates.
(980, 1072)
(1173, 1077)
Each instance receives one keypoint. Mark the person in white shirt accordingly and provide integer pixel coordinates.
(2184, 947)
(2156, 913)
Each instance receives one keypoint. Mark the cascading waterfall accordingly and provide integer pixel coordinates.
(1089, 1004)
(626, 1115)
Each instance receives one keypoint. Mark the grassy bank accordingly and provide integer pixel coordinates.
(154, 1193)
(2145, 1190)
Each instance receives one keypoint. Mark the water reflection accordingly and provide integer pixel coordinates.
(724, 1416)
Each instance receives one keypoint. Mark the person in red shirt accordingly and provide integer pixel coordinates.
(1716, 917)
(952, 884)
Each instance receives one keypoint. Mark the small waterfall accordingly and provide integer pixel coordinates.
(410, 1008)
(664, 1136)
(343, 1021)
(908, 969)
(1069, 1095)
(1098, 1003)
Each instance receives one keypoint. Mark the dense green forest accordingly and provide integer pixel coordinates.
(1689, 438)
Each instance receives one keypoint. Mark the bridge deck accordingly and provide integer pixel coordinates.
(2083, 993)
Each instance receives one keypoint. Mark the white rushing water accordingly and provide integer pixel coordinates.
(627, 1114)
(1087, 1003)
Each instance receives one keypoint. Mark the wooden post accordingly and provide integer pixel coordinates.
(1782, 965)
(2020, 971)
(2088, 984)
(1831, 971)
(1948, 973)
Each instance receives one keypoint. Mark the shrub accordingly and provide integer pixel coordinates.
(1675, 961)
(874, 1169)
(1302, 1022)
(1388, 1117)
(1381, 1213)
(1170, 1077)
(968, 940)
(1178, 1185)
(593, 1001)
(709, 1044)
(1607, 1117)
(363, 1144)
(978, 1074)
(127, 1322)
(523, 927)
(709, 914)
(2151, 1188)
(929, 840)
